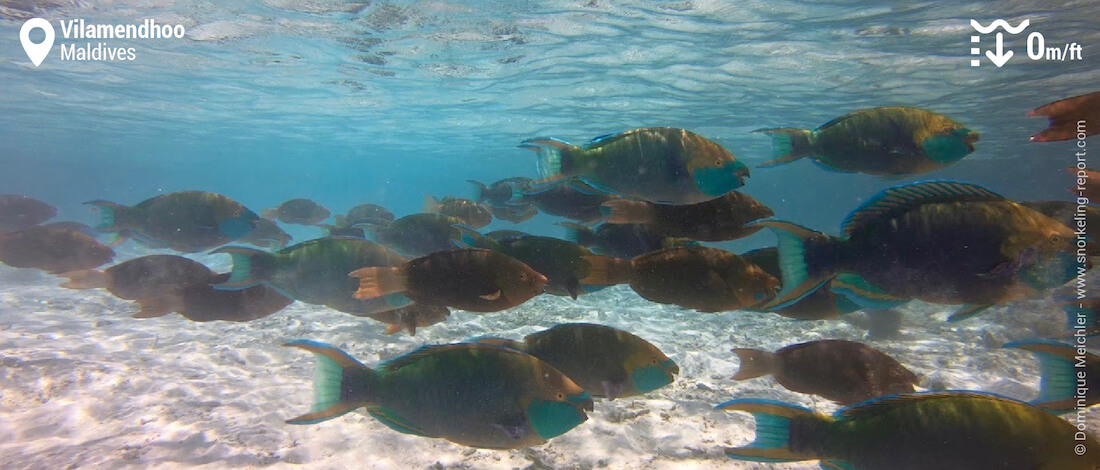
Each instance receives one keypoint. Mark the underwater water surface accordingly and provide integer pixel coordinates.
(352, 102)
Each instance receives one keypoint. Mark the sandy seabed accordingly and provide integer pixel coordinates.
(83, 385)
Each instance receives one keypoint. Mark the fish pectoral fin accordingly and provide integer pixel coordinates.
(393, 421)
(515, 427)
(612, 390)
(492, 296)
(966, 312)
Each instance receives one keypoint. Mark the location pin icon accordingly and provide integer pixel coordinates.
(37, 52)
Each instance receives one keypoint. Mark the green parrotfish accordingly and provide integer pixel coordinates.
(657, 164)
(605, 361)
(954, 430)
(187, 221)
(474, 395)
(892, 141)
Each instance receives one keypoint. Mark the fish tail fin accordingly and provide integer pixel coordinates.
(799, 278)
(160, 305)
(551, 153)
(479, 190)
(773, 431)
(250, 267)
(467, 236)
(625, 211)
(1056, 368)
(112, 216)
(788, 144)
(579, 234)
(605, 270)
(755, 363)
(340, 383)
(431, 204)
(378, 281)
(86, 279)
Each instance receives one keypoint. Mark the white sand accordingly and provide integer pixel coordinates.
(83, 385)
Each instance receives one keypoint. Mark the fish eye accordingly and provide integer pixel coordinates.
(718, 163)
(561, 396)
(1055, 238)
(523, 276)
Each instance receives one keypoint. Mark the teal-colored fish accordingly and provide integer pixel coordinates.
(940, 241)
(880, 141)
(657, 164)
(1060, 365)
(187, 221)
(474, 395)
(958, 430)
(315, 272)
(605, 361)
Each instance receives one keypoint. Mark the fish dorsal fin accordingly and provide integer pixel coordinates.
(419, 353)
(873, 407)
(893, 201)
(609, 138)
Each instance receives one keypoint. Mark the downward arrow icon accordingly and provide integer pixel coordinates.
(1001, 57)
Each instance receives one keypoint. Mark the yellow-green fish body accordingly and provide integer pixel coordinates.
(470, 394)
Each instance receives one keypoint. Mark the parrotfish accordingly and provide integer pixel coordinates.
(716, 220)
(138, 278)
(18, 212)
(315, 272)
(187, 221)
(473, 395)
(371, 214)
(472, 213)
(514, 213)
(892, 141)
(702, 278)
(622, 240)
(954, 430)
(605, 361)
(842, 371)
(657, 164)
(53, 249)
(411, 317)
(420, 234)
(560, 261)
(474, 279)
(1070, 376)
(500, 192)
(297, 211)
(204, 302)
(1066, 117)
(569, 198)
(942, 242)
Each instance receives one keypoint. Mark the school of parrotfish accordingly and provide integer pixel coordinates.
(656, 194)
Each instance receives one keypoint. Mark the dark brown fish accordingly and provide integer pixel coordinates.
(138, 278)
(410, 317)
(514, 213)
(52, 249)
(501, 192)
(718, 219)
(702, 278)
(475, 280)
(420, 234)
(1066, 117)
(371, 214)
(297, 211)
(569, 198)
(18, 212)
(622, 240)
(474, 214)
(842, 371)
(202, 302)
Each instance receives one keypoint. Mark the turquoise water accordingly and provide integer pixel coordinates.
(386, 102)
